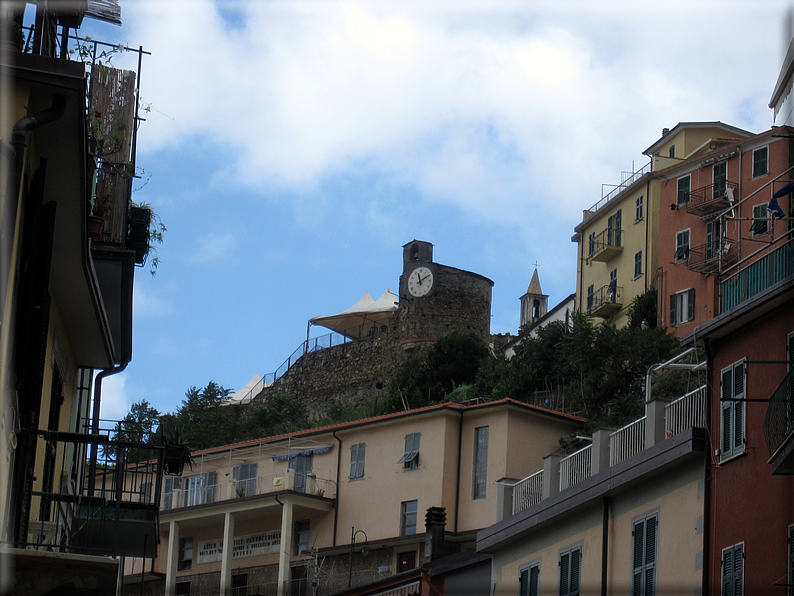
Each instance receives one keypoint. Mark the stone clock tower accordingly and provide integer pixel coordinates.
(436, 299)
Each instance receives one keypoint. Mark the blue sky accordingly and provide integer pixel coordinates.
(292, 148)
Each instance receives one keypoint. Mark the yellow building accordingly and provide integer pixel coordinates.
(618, 247)
(624, 515)
(292, 506)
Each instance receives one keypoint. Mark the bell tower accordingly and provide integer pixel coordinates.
(534, 304)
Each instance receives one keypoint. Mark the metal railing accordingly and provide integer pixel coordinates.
(235, 489)
(627, 441)
(528, 492)
(605, 239)
(714, 256)
(686, 412)
(779, 419)
(700, 198)
(757, 277)
(627, 179)
(603, 296)
(576, 467)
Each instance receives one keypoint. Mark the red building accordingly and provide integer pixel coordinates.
(749, 519)
(714, 220)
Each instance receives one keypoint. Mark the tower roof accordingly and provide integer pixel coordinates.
(534, 285)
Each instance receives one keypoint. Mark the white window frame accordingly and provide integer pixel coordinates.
(358, 453)
(682, 307)
(529, 580)
(733, 417)
(688, 179)
(684, 256)
(644, 554)
(732, 564)
(566, 587)
(186, 545)
(241, 474)
(406, 515)
(766, 172)
(173, 484)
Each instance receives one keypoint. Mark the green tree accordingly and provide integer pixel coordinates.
(138, 426)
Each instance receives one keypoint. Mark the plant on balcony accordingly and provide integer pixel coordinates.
(177, 453)
(11, 34)
(146, 231)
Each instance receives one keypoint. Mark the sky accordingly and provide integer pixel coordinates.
(292, 148)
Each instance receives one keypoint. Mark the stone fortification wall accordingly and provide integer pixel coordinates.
(461, 301)
(344, 374)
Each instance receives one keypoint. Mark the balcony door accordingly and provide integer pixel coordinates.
(302, 464)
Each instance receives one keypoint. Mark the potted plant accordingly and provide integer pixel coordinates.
(99, 210)
(11, 34)
(176, 454)
(146, 231)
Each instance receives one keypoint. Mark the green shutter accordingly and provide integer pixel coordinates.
(565, 570)
(691, 305)
(353, 460)
(727, 412)
(673, 313)
(362, 451)
(738, 408)
(523, 583)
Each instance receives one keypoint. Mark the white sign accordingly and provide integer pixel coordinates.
(249, 545)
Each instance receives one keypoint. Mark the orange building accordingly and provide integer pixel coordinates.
(715, 219)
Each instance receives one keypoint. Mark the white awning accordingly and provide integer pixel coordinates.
(366, 317)
(405, 590)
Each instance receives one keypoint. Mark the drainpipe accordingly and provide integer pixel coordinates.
(707, 474)
(457, 484)
(647, 239)
(604, 546)
(338, 464)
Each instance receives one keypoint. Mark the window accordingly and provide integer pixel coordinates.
(733, 386)
(760, 220)
(302, 464)
(408, 518)
(716, 239)
(720, 179)
(570, 572)
(760, 162)
(529, 580)
(682, 307)
(683, 190)
(644, 556)
(145, 492)
(172, 483)
(638, 209)
(612, 293)
(239, 584)
(682, 246)
(637, 264)
(406, 561)
(480, 461)
(672, 151)
(590, 297)
(410, 460)
(733, 570)
(592, 244)
(182, 589)
(185, 554)
(245, 479)
(357, 454)
(302, 534)
(614, 223)
(200, 489)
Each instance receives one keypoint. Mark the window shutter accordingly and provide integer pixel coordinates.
(534, 580)
(564, 573)
(691, 305)
(362, 450)
(738, 407)
(650, 554)
(353, 460)
(639, 535)
(673, 304)
(576, 561)
(727, 572)
(738, 570)
(618, 223)
(523, 583)
(727, 411)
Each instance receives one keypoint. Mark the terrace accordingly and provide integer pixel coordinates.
(713, 257)
(605, 301)
(712, 198)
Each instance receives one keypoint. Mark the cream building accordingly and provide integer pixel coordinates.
(292, 506)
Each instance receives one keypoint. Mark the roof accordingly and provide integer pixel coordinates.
(534, 285)
(649, 151)
(303, 436)
(356, 321)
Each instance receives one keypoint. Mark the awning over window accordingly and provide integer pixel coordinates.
(405, 590)
(284, 456)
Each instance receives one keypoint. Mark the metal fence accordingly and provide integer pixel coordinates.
(779, 419)
(576, 467)
(758, 276)
(528, 492)
(627, 441)
(686, 412)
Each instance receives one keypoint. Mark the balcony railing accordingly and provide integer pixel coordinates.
(605, 301)
(605, 245)
(627, 441)
(758, 276)
(712, 198)
(189, 495)
(627, 179)
(779, 420)
(713, 257)
(528, 492)
(576, 467)
(686, 412)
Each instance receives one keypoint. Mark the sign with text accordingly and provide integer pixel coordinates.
(250, 545)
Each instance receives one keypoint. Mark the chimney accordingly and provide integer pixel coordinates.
(665, 131)
(435, 522)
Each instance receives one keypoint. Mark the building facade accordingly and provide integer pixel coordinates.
(298, 508)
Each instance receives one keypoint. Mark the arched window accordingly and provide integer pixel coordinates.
(415, 252)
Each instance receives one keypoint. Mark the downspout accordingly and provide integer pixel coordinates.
(604, 546)
(338, 464)
(457, 483)
(707, 474)
(647, 239)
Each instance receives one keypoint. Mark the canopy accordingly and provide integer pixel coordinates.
(366, 317)
(244, 395)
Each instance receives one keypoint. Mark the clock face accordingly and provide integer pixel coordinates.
(420, 281)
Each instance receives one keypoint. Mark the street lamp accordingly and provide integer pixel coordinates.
(364, 551)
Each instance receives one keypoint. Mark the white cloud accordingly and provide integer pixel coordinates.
(147, 301)
(214, 247)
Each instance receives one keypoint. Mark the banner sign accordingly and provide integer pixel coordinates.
(264, 543)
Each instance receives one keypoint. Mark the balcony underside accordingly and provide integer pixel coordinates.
(783, 460)
(711, 265)
(606, 253)
(701, 209)
(606, 309)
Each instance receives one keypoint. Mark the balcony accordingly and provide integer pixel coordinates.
(779, 426)
(605, 301)
(662, 421)
(714, 257)
(757, 277)
(605, 245)
(712, 198)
